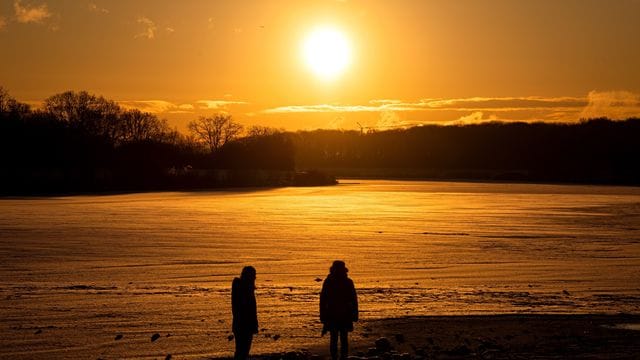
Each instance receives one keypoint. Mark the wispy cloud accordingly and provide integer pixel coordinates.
(612, 104)
(163, 106)
(169, 30)
(150, 28)
(463, 105)
(323, 108)
(97, 9)
(389, 119)
(505, 103)
(3, 23)
(217, 104)
(473, 118)
(396, 113)
(30, 13)
(157, 106)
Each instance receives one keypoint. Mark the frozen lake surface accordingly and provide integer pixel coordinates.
(77, 271)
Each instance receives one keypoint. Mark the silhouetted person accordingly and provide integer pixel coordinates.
(245, 312)
(338, 308)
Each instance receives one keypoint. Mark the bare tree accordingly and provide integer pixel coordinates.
(259, 131)
(136, 125)
(9, 105)
(98, 116)
(90, 113)
(215, 131)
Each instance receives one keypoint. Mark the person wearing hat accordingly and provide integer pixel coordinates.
(245, 312)
(338, 308)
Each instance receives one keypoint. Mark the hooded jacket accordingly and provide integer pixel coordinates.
(338, 302)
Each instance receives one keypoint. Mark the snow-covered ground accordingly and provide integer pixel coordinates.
(76, 272)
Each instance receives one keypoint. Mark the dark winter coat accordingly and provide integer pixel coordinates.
(243, 307)
(338, 303)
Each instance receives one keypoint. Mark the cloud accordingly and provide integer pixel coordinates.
(150, 28)
(612, 104)
(389, 119)
(96, 9)
(30, 13)
(162, 106)
(505, 103)
(3, 23)
(463, 105)
(473, 118)
(217, 104)
(158, 106)
(322, 108)
(169, 30)
(395, 113)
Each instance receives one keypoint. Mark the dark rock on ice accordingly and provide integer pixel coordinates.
(383, 344)
(230, 337)
(155, 337)
(460, 351)
(276, 337)
(119, 336)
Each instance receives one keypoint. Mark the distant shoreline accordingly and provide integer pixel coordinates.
(194, 181)
(340, 180)
(476, 176)
(487, 181)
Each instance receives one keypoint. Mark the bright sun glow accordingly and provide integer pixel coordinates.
(327, 52)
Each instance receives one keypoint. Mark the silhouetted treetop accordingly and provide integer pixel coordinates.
(214, 132)
(10, 107)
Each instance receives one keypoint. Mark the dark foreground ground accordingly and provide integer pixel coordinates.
(490, 337)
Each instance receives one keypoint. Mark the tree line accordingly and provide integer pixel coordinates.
(589, 151)
(79, 141)
(82, 142)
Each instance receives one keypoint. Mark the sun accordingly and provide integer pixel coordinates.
(327, 52)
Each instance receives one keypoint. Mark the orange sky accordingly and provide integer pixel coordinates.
(412, 61)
